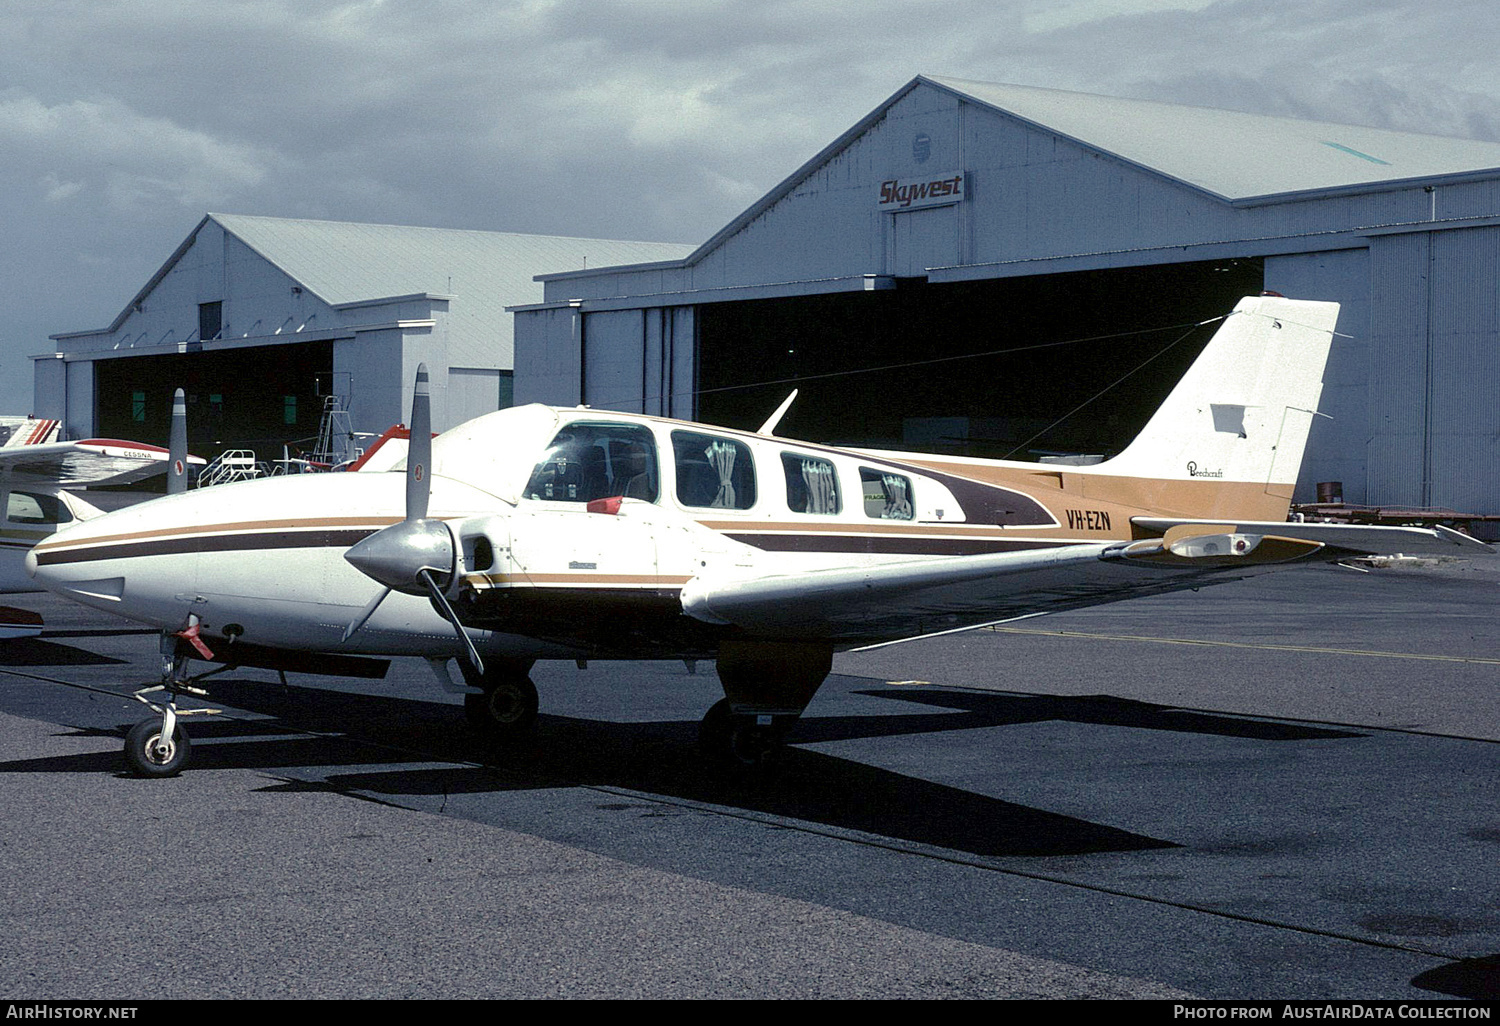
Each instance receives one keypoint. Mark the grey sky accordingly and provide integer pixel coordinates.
(122, 123)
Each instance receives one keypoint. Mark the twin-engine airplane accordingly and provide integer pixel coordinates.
(40, 481)
(544, 533)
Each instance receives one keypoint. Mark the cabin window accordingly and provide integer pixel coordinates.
(36, 508)
(588, 461)
(713, 472)
(811, 484)
(887, 495)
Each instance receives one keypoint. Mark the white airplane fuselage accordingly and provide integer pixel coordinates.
(263, 561)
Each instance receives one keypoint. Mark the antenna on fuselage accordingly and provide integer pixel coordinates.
(769, 427)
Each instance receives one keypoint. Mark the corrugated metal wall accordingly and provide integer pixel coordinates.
(1336, 446)
(1435, 369)
(1464, 412)
(1399, 341)
(548, 356)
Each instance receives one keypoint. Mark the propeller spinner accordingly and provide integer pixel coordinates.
(416, 556)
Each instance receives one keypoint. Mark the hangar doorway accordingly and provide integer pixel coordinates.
(257, 398)
(1068, 337)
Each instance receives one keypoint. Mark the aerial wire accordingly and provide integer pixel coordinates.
(799, 379)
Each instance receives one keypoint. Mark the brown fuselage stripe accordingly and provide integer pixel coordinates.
(574, 580)
(371, 523)
(208, 543)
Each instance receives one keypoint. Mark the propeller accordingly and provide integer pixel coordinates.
(417, 555)
(177, 453)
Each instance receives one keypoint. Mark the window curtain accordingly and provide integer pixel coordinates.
(822, 490)
(721, 457)
(897, 505)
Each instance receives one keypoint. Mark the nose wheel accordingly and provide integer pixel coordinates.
(153, 752)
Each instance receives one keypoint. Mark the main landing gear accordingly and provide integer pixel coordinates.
(767, 685)
(506, 708)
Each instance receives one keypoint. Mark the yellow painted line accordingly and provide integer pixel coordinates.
(901, 683)
(1264, 648)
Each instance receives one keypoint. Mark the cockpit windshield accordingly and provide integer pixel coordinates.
(596, 460)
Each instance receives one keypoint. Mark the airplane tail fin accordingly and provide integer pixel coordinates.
(19, 431)
(1241, 415)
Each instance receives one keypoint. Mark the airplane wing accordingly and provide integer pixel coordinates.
(862, 605)
(93, 461)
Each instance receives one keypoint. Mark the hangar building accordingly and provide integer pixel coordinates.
(260, 319)
(1076, 240)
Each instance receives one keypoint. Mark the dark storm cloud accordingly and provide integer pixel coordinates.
(1386, 63)
(121, 124)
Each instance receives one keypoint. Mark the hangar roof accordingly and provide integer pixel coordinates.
(1236, 157)
(342, 262)
(1231, 154)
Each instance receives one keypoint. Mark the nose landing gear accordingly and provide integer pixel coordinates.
(159, 747)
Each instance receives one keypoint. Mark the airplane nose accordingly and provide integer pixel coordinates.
(396, 555)
(30, 563)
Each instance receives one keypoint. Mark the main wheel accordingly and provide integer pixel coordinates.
(149, 756)
(734, 741)
(506, 710)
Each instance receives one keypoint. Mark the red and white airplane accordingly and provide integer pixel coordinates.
(40, 479)
(546, 533)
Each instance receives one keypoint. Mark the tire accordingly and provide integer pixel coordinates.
(141, 754)
(735, 743)
(506, 710)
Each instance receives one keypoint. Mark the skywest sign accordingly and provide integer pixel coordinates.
(899, 194)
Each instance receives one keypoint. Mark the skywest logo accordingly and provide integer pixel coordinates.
(897, 194)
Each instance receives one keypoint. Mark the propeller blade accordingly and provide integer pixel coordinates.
(419, 455)
(365, 614)
(475, 663)
(177, 453)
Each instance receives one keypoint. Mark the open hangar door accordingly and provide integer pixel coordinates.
(257, 398)
(894, 368)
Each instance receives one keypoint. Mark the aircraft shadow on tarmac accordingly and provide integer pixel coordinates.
(662, 758)
(1475, 978)
(40, 652)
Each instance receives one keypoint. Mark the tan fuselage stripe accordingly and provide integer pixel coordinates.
(913, 528)
(1126, 496)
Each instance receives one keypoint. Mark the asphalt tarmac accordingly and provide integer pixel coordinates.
(1283, 788)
